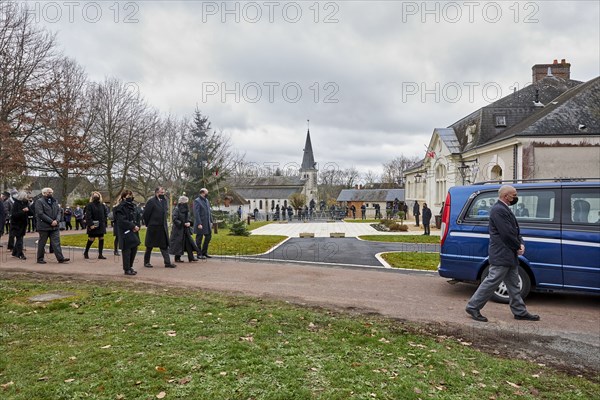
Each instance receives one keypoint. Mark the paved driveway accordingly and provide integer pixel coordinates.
(347, 251)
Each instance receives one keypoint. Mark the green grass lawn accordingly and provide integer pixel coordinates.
(134, 341)
(221, 244)
(413, 260)
(402, 238)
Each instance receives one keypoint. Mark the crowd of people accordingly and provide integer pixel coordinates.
(18, 209)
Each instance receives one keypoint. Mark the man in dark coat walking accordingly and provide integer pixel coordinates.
(3, 196)
(202, 223)
(506, 245)
(426, 219)
(47, 214)
(157, 234)
(416, 212)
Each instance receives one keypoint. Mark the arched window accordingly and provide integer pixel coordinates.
(260, 205)
(440, 183)
(496, 173)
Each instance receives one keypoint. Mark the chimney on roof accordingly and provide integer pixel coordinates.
(562, 70)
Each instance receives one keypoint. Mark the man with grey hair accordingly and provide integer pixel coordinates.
(506, 245)
(157, 235)
(47, 215)
(202, 223)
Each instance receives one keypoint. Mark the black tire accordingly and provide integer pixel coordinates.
(501, 294)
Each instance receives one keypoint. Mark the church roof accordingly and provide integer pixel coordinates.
(378, 195)
(308, 160)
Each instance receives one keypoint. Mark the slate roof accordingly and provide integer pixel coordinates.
(516, 108)
(267, 192)
(564, 115)
(448, 136)
(265, 181)
(308, 159)
(372, 195)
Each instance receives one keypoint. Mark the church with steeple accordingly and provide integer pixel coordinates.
(268, 193)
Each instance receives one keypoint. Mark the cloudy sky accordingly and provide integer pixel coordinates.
(373, 77)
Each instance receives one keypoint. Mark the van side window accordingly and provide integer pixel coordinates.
(535, 205)
(585, 207)
(481, 206)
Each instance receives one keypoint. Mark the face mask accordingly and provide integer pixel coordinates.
(514, 201)
(161, 196)
(129, 199)
(49, 196)
(96, 199)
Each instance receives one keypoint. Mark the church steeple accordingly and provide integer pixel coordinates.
(308, 160)
(308, 171)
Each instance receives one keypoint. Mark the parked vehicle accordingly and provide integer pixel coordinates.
(560, 225)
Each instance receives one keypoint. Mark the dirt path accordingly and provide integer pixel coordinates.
(568, 336)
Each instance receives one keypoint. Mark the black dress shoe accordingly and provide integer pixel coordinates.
(148, 265)
(528, 317)
(170, 265)
(41, 261)
(64, 260)
(22, 257)
(101, 257)
(207, 256)
(130, 272)
(476, 315)
(193, 259)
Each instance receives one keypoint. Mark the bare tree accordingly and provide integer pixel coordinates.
(26, 55)
(161, 157)
(61, 144)
(122, 125)
(393, 170)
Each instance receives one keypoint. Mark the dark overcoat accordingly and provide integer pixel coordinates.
(426, 215)
(202, 216)
(95, 212)
(46, 211)
(505, 236)
(155, 217)
(180, 234)
(126, 218)
(18, 218)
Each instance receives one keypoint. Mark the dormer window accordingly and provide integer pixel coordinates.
(500, 121)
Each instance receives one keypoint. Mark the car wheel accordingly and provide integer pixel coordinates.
(501, 294)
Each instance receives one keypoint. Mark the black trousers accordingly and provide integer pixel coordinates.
(426, 226)
(164, 252)
(129, 257)
(54, 244)
(18, 247)
(416, 220)
(202, 241)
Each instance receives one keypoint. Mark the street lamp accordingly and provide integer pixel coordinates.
(417, 178)
(401, 181)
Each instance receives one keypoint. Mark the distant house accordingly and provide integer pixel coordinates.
(547, 130)
(265, 193)
(370, 197)
(79, 187)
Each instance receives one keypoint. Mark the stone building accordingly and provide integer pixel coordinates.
(547, 130)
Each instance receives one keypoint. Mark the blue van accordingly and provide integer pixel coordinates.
(560, 225)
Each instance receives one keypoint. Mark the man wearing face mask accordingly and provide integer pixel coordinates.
(157, 234)
(47, 214)
(506, 244)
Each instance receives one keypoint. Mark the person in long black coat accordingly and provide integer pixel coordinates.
(181, 232)
(18, 223)
(426, 218)
(95, 215)
(127, 225)
(155, 216)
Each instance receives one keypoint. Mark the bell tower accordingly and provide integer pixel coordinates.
(308, 171)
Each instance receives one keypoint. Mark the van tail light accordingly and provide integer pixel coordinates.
(445, 219)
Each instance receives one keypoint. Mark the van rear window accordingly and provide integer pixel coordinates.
(585, 207)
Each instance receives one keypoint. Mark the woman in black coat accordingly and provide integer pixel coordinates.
(95, 216)
(18, 223)
(181, 233)
(127, 224)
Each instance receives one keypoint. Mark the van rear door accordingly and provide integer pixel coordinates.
(581, 238)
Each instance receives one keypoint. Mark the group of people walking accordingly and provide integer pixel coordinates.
(127, 218)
